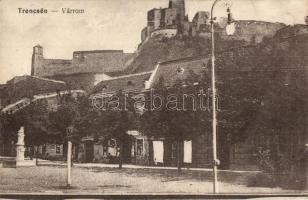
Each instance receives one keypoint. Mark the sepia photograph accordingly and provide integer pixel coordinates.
(131, 99)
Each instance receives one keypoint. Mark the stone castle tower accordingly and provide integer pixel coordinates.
(180, 6)
(37, 58)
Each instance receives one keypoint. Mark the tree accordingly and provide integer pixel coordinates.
(63, 122)
(35, 120)
(112, 122)
(10, 125)
(269, 101)
(36, 124)
(179, 121)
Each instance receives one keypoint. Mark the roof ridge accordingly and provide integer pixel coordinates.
(58, 59)
(183, 59)
(99, 51)
(129, 75)
(47, 79)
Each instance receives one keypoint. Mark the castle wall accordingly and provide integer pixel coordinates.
(252, 31)
(86, 69)
(165, 17)
(47, 67)
(169, 16)
(98, 61)
(200, 19)
(188, 29)
(179, 5)
(154, 18)
(144, 34)
(164, 32)
(83, 81)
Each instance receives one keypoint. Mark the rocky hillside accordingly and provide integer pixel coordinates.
(160, 49)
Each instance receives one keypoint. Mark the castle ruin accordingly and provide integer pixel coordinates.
(172, 21)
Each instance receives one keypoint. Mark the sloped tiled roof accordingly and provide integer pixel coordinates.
(27, 86)
(127, 82)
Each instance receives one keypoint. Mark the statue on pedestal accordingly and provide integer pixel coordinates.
(20, 150)
(21, 136)
(20, 146)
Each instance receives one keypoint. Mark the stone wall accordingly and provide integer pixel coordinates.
(97, 61)
(201, 18)
(179, 5)
(164, 32)
(164, 18)
(189, 29)
(252, 31)
(154, 18)
(144, 34)
(83, 81)
(169, 17)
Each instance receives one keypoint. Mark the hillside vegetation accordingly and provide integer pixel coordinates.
(160, 49)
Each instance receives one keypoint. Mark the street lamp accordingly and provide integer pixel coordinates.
(230, 30)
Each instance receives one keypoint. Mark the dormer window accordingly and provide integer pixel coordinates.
(180, 70)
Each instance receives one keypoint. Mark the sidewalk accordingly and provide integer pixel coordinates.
(131, 166)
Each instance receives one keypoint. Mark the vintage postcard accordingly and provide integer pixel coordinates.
(153, 98)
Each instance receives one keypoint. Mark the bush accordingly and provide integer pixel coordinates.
(276, 172)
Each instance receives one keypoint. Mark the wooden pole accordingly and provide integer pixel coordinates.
(69, 163)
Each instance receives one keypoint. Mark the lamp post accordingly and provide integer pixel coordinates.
(69, 132)
(214, 112)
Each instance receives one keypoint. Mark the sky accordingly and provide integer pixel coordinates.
(106, 24)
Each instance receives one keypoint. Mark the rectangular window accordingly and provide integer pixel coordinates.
(139, 145)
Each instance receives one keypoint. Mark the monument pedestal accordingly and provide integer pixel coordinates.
(20, 151)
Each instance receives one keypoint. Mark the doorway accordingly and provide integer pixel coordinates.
(89, 151)
(158, 152)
